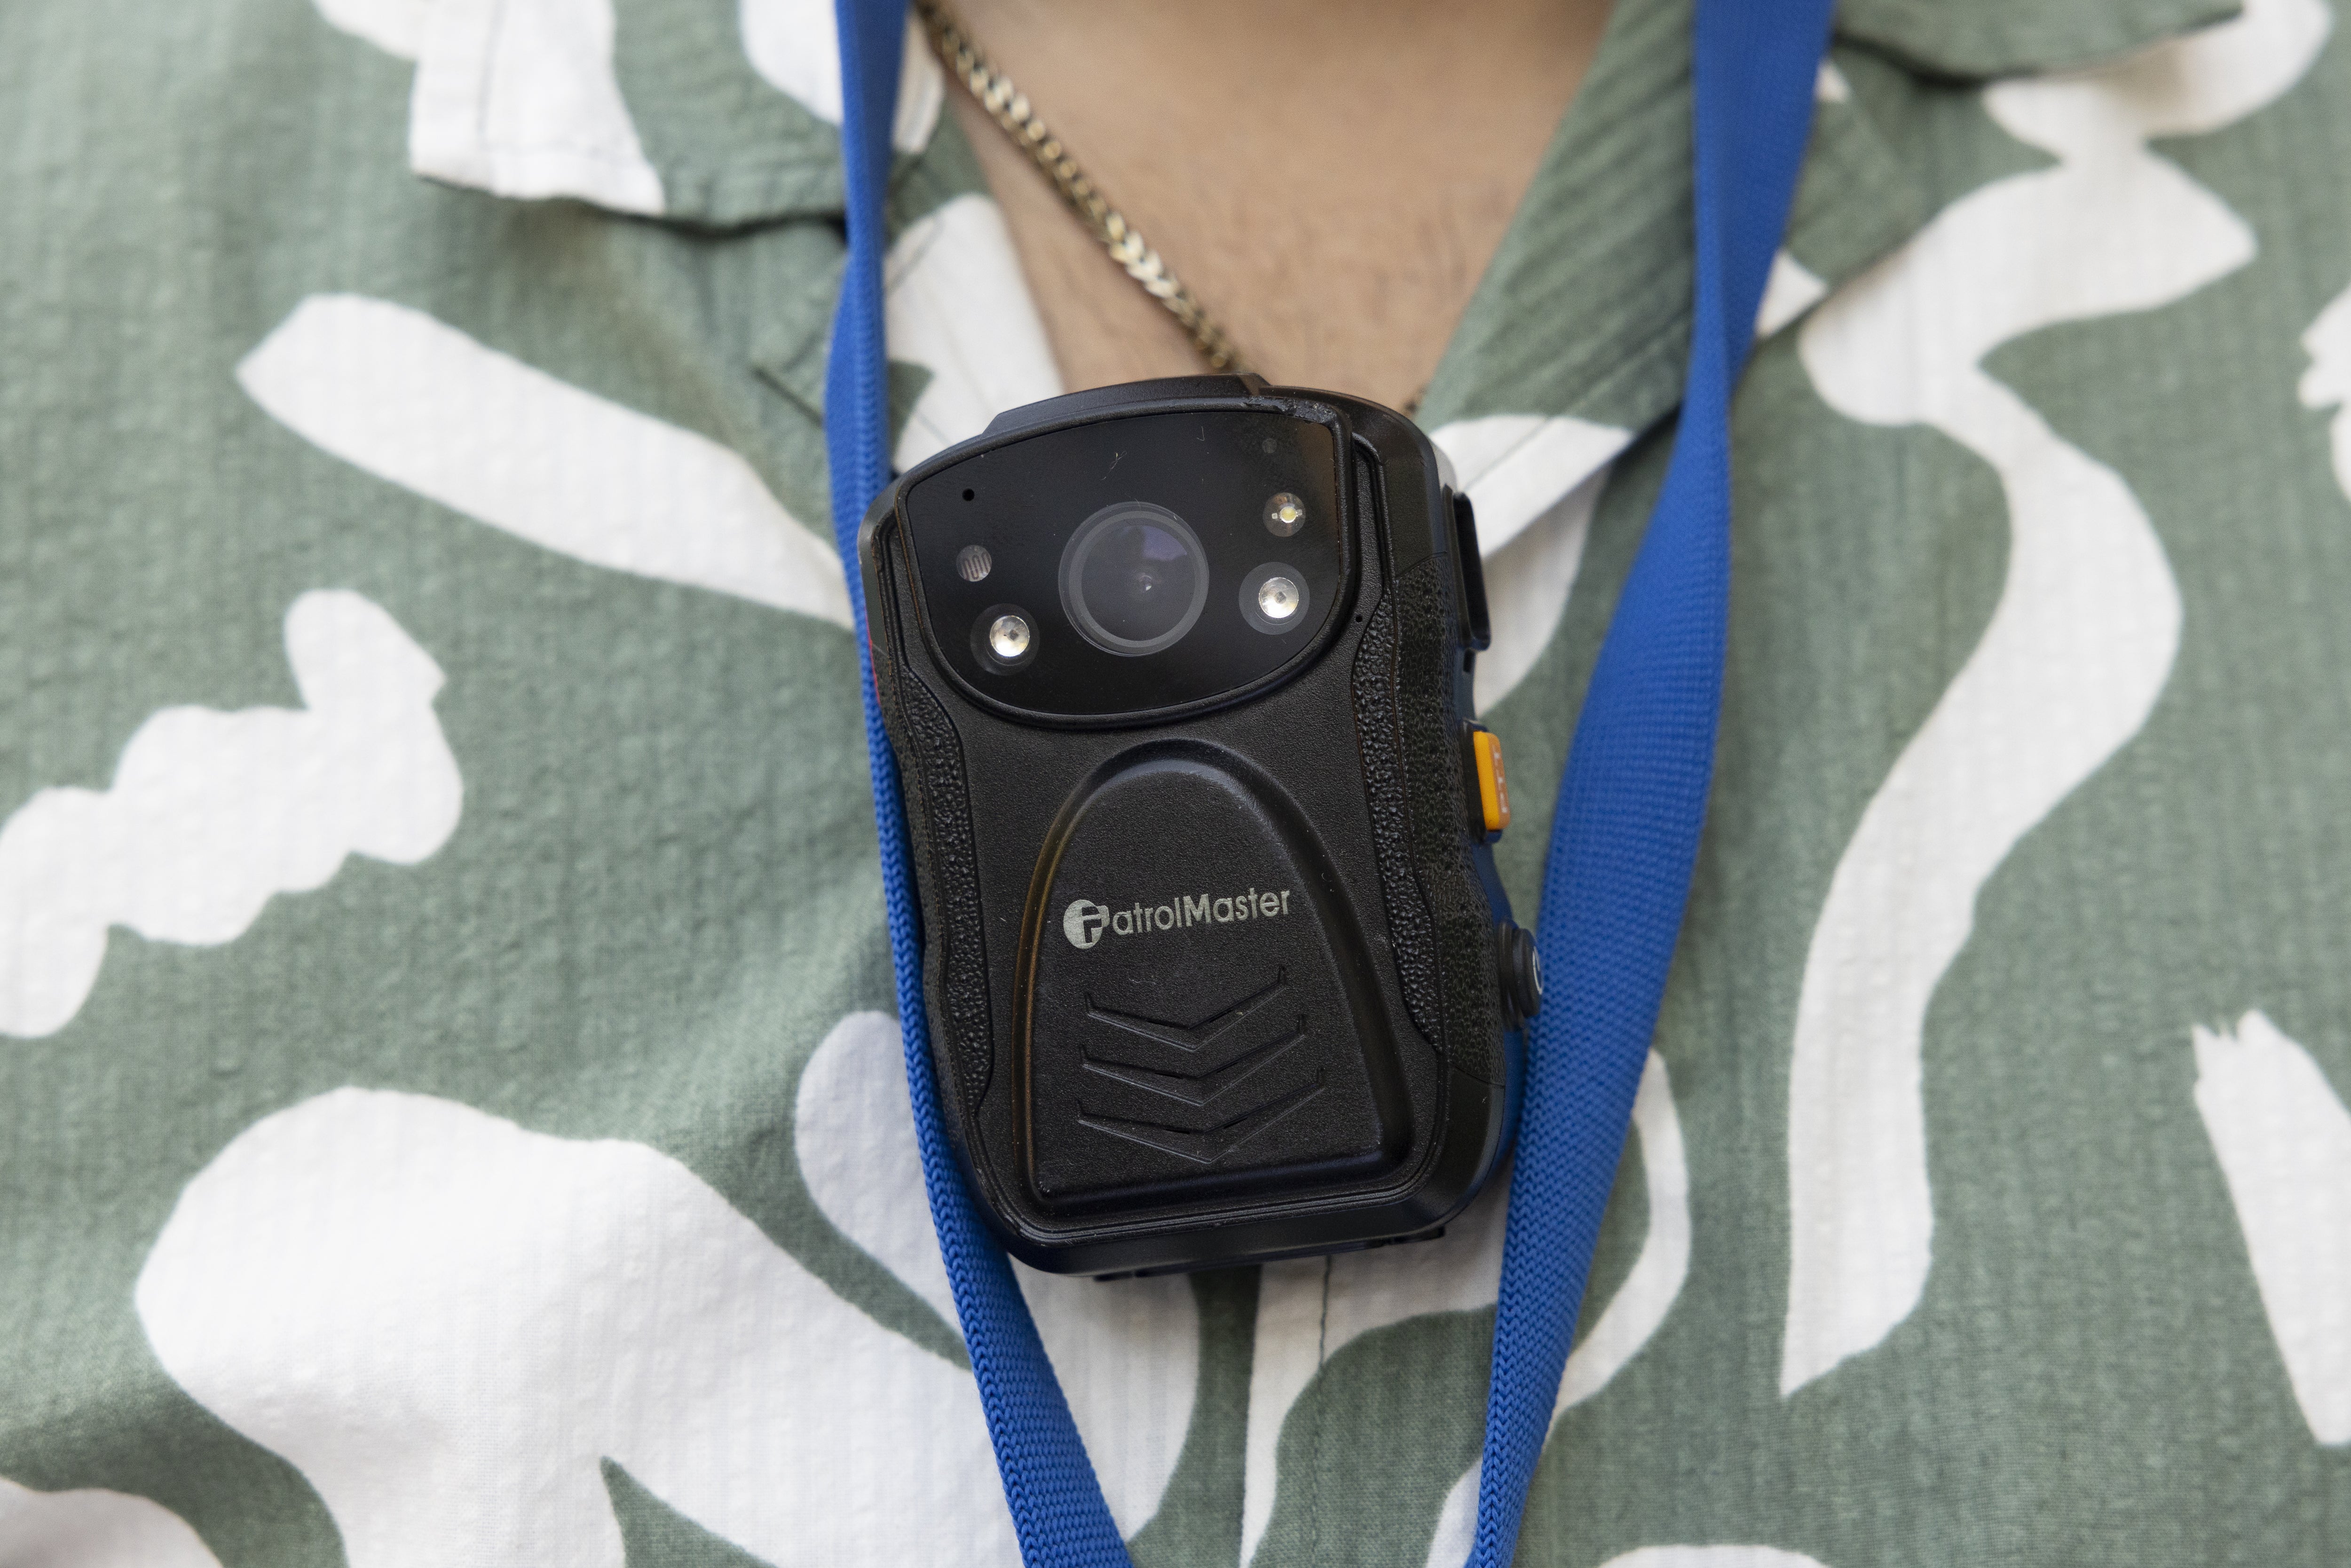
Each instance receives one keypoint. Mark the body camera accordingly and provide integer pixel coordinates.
(1218, 966)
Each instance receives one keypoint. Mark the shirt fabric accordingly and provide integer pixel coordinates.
(449, 1108)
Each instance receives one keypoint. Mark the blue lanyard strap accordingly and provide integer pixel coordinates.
(1057, 1503)
(1623, 838)
(1626, 832)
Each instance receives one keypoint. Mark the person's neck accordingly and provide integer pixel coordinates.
(1330, 178)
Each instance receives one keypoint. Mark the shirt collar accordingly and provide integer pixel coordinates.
(728, 114)
(720, 116)
(1576, 338)
(711, 115)
(1976, 39)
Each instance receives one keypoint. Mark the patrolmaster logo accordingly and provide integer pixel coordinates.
(1084, 921)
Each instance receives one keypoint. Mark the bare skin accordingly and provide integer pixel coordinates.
(1330, 179)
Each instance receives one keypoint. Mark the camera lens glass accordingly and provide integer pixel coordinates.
(1134, 579)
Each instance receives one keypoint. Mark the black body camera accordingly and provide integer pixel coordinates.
(1218, 966)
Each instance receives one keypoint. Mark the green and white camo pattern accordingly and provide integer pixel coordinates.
(449, 1111)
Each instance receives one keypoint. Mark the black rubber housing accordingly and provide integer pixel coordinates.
(1213, 957)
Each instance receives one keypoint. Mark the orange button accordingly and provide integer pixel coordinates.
(1493, 789)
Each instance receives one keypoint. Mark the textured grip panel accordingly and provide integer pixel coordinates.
(1379, 737)
(944, 840)
(1439, 810)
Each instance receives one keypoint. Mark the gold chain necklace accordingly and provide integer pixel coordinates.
(1010, 108)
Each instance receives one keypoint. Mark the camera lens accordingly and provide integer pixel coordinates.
(1134, 579)
(1273, 599)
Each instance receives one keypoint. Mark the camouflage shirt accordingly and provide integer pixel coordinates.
(449, 1108)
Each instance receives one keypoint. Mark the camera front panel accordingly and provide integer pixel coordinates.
(1134, 565)
(1214, 981)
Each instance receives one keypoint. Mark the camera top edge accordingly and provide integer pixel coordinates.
(1386, 426)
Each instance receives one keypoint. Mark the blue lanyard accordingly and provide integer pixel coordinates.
(1623, 838)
